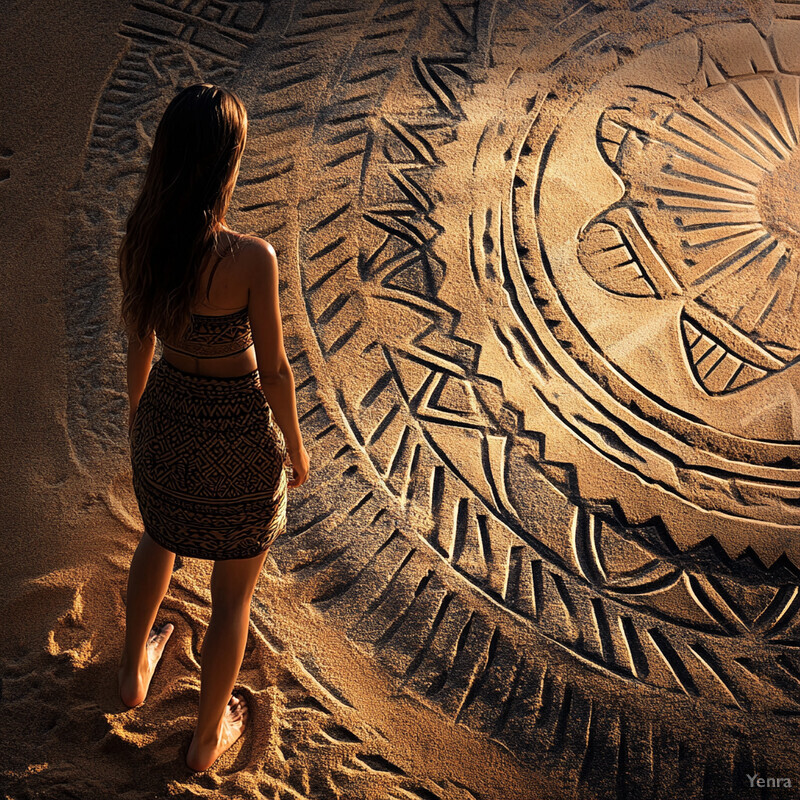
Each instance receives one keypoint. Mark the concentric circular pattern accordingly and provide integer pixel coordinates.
(674, 314)
(538, 312)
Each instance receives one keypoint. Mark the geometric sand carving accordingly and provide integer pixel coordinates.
(553, 420)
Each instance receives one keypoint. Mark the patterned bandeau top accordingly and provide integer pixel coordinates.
(215, 336)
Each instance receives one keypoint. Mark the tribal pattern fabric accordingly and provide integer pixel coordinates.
(215, 336)
(208, 464)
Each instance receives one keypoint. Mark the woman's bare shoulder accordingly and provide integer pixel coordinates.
(256, 255)
(254, 246)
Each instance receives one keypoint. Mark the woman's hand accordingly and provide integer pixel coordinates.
(299, 459)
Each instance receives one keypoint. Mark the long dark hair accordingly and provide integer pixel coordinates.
(179, 213)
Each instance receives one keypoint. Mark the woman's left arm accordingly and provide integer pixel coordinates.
(140, 358)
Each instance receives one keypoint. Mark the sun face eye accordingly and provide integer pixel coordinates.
(617, 135)
(616, 251)
(609, 257)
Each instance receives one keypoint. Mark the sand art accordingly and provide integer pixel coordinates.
(540, 295)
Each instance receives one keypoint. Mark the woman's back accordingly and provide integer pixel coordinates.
(220, 343)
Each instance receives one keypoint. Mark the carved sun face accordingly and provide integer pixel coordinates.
(711, 212)
(656, 225)
(698, 228)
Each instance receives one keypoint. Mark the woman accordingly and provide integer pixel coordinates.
(207, 455)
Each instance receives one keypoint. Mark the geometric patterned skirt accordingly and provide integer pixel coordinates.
(209, 464)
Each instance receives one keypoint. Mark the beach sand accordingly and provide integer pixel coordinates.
(68, 537)
(545, 549)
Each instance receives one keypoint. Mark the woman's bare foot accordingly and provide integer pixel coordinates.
(134, 680)
(201, 754)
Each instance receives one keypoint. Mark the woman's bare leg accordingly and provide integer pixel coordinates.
(148, 581)
(222, 718)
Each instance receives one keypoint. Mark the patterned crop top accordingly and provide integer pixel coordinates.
(215, 336)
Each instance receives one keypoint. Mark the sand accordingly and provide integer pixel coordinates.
(546, 550)
(66, 548)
